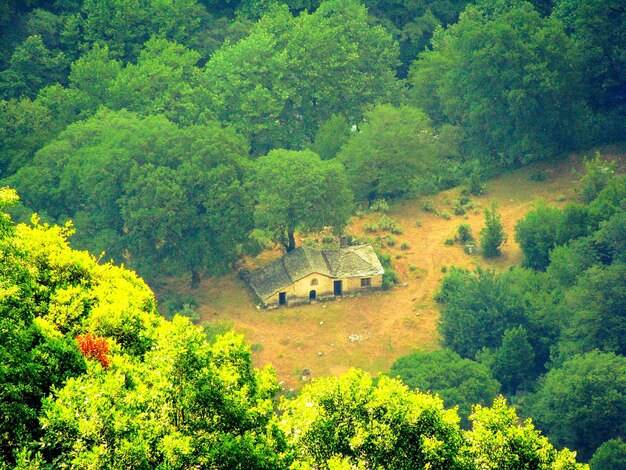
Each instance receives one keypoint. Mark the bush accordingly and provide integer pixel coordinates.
(464, 233)
(190, 312)
(391, 240)
(449, 241)
(174, 302)
(473, 182)
(459, 210)
(405, 245)
(379, 205)
(597, 174)
(387, 224)
(462, 205)
(445, 215)
(390, 278)
(371, 228)
(538, 233)
(429, 205)
(418, 223)
(538, 175)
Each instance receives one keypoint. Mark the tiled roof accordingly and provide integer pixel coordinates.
(352, 261)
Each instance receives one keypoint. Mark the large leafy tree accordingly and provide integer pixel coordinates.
(32, 67)
(597, 29)
(538, 233)
(160, 83)
(290, 75)
(161, 395)
(49, 294)
(504, 75)
(498, 440)
(298, 190)
(412, 22)
(458, 382)
(513, 363)
(125, 25)
(110, 174)
(476, 310)
(582, 403)
(195, 213)
(187, 403)
(394, 147)
(351, 420)
(609, 456)
(596, 306)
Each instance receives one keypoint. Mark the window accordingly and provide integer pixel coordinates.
(366, 282)
(313, 282)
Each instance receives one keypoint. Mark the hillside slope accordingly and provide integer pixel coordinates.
(387, 324)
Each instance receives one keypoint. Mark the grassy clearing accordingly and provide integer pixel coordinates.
(383, 325)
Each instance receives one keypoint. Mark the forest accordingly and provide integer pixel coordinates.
(176, 137)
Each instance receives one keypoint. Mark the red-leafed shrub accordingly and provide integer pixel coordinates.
(94, 347)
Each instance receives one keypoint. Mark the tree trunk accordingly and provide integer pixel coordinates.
(195, 278)
(291, 241)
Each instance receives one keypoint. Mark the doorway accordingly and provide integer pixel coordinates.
(282, 298)
(338, 287)
(312, 295)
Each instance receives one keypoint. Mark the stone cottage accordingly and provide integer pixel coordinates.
(308, 274)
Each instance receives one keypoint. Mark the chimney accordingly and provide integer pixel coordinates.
(343, 241)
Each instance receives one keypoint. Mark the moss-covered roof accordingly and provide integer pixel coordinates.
(352, 261)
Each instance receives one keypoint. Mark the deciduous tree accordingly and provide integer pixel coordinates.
(298, 190)
(458, 382)
(504, 75)
(582, 403)
(394, 147)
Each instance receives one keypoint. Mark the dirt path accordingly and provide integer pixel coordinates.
(389, 324)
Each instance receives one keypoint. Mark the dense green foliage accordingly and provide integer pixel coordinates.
(582, 403)
(173, 197)
(167, 131)
(610, 456)
(458, 382)
(298, 190)
(394, 147)
(553, 339)
(153, 393)
(503, 75)
(491, 85)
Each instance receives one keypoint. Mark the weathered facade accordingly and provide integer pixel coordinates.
(307, 274)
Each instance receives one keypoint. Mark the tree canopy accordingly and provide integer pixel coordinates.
(458, 382)
(393, 148)
(502, 74)
(298, 190)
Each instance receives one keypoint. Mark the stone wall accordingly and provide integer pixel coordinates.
(299, 291)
